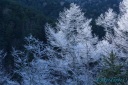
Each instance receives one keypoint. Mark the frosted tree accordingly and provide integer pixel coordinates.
(73, 31)
(119, 25)
(72, 36)
(34, 68)
(122, 29)
(30, 63)
(108, 20)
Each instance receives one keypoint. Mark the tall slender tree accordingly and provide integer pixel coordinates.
(72, 35)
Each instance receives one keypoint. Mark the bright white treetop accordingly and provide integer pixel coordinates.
(72, 30)
(119, 24)
(77, 26)
(107, 20)
(123, 17)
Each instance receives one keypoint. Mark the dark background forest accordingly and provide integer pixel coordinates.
(19, 18)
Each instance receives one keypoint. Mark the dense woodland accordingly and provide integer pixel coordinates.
(63, 42)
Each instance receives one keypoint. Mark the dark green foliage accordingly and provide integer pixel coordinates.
(113, 72)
